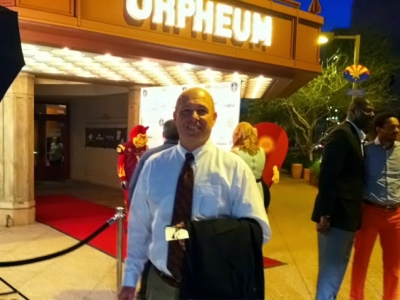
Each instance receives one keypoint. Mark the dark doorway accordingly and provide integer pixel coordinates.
(51, 141)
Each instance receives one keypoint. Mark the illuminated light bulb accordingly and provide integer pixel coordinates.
(28, 47)
(66, 52)
(187, 66)
(257, 86)
(182, 72)
(108, 58)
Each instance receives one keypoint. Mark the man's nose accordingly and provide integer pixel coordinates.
(195, 115)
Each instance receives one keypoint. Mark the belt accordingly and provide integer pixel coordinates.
(166, 278)
(385, 207)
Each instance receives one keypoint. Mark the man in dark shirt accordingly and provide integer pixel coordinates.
(337, 210)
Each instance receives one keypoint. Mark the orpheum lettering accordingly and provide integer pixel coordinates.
(208, 17)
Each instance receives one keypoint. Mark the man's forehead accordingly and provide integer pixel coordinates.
(392, 120)
(193, 100)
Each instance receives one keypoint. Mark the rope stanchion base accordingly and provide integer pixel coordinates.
(13, 290)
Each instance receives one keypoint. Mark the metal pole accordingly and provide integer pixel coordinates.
(120, 232)
(357, 42)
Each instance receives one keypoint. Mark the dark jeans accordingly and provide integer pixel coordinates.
(334, 248)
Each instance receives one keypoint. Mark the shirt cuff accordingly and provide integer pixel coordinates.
(130, 279)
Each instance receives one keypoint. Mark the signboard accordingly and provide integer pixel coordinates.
(355, 92)
(157, 105)
(207, 17)
(356, 73)
(104, 137)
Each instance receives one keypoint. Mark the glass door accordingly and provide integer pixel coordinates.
(51, 147)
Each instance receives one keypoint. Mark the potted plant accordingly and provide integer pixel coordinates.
(306, 174)
(314, 172)
(297, 170)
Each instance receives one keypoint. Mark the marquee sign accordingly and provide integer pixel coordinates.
(208, 17)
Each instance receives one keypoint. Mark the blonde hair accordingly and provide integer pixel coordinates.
(245, 138)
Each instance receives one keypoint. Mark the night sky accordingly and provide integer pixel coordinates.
(337, 13)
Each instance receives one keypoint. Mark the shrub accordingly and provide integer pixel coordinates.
(315, 168)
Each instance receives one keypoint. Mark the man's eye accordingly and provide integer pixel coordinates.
(202, 112)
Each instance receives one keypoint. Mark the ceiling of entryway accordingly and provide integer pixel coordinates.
(66, 63)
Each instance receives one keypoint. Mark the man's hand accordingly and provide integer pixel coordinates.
(127, 293)
(275, 177)
(324, 224)
(124, 185)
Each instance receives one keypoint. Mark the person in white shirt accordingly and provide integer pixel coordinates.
(224, 186)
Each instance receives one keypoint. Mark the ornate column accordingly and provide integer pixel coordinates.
(133, 107)
(17, 205)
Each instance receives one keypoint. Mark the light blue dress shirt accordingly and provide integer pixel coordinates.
(224, 187)
(382, 173)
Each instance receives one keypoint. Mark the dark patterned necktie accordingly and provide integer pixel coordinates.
(182, 213)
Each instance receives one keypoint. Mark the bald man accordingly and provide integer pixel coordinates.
(224, 186)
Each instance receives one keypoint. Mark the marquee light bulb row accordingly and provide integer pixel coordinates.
(71, 63)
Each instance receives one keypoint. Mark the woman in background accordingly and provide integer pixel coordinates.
(245, 144)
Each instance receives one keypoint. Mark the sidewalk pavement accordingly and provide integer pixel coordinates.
(89, 274)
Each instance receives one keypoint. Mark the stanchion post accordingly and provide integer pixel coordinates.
(120, 213)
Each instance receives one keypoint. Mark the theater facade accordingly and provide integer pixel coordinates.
(124, 45)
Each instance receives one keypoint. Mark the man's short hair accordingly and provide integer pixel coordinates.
(382, 118)
(170, 131)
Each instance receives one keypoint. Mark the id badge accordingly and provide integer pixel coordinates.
(173, 233)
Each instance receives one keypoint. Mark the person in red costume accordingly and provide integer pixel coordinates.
(129, 154)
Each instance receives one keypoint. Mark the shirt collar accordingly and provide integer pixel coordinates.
(360, 133)
(378, 142)
(197, 152)
(173, 142)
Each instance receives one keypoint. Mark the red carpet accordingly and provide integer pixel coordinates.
(78, 219)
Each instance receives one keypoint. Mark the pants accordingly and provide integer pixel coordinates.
(143, 283)
(334, 254)
(157, 289)
(376, 221)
